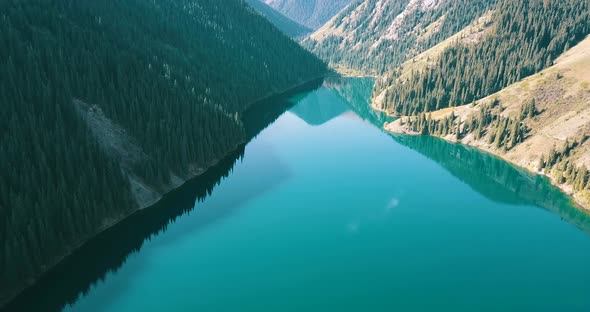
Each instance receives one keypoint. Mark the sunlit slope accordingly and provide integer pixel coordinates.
(562, 98)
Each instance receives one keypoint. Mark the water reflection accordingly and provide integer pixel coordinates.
(488, 175)
(316, 111)
(109, 251)
(356, 93)
(264, 113)
(496, 179)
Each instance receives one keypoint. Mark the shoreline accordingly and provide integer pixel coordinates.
(574, 201)
(294, 87)
(107, 224)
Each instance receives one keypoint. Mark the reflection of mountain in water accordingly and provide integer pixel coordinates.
(264, 113)
(108, 251)
(356, 93)
(495, 178)
(319, 107)
(488, 175)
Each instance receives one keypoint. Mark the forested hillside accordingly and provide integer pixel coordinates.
(107, 102)
(518, 90)
(283, 23)
(526, 37)
(374, 36)
(311, 13)
(540, 123)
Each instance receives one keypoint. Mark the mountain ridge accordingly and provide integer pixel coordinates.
(562, 94)
(445, 67)
(288, 26)
(373, 36)
(311, 13)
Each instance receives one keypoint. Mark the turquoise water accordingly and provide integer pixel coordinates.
(326, 212)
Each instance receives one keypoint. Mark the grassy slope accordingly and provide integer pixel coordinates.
(562, 94)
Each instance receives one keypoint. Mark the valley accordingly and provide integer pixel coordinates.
(295, 155)
(285, 205)
(459, 76)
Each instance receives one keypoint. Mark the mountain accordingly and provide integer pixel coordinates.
(479, 64)
(283, 23)
(488, 73)
(311, 13)
(371, 37)
(514, 83)
(107, 105)
(540, 123)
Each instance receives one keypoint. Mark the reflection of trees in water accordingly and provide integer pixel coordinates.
(264, 113)
(107, 252)
(356, 93)
(495, 178)
(488, 175)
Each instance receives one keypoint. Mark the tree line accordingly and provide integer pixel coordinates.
(502, 132)
(560, 165)
(527, 37)
(369, 52)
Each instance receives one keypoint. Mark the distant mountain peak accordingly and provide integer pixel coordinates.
(288, 26)
(311, 13)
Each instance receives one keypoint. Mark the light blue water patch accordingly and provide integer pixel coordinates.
(326, 212)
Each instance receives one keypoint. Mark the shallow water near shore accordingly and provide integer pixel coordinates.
(324, 211)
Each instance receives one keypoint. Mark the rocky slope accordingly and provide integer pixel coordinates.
(280, 21)
(311, 13)
(371, 37)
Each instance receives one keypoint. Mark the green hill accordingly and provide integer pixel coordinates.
(525, 38)
(109, 104)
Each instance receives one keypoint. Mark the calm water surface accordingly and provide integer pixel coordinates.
(323, 211)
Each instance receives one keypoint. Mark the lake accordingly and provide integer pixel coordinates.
(324, 211)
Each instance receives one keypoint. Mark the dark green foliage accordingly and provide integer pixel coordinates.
(560, 165)
(528, 110)
(283, 23)
(176, 75)
(526, 38)
(369, 50)
(506, 133)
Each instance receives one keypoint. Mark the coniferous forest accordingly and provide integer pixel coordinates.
(111, 106)
(526, 37)
(180, 65)
(371, 46)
